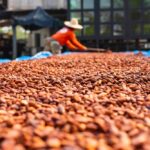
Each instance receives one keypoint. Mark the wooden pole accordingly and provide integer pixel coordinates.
(14, 53)
(97, 49)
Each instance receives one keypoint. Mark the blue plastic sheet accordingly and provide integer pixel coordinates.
(4, 60)
(42, 55)
(36, 56)
(46, 54)
(145, 53)
(23, 58)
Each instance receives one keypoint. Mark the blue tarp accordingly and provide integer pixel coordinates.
(145, 53)
(4, 60)
(48, 54)
(37, 56)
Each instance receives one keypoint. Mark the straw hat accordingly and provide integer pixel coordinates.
(73, 24)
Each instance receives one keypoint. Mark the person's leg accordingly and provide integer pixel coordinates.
(55, 47)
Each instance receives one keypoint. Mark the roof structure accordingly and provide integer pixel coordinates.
(37, 19)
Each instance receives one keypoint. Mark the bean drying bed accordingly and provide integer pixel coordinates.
(80, 101)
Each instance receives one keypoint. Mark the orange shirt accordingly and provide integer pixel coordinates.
(66, 36)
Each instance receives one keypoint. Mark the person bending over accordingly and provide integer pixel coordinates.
(65, 37)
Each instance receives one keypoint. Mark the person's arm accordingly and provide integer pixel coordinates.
(70, 45)
(77, 43)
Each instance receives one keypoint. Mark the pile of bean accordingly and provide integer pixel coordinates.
(75, 102)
